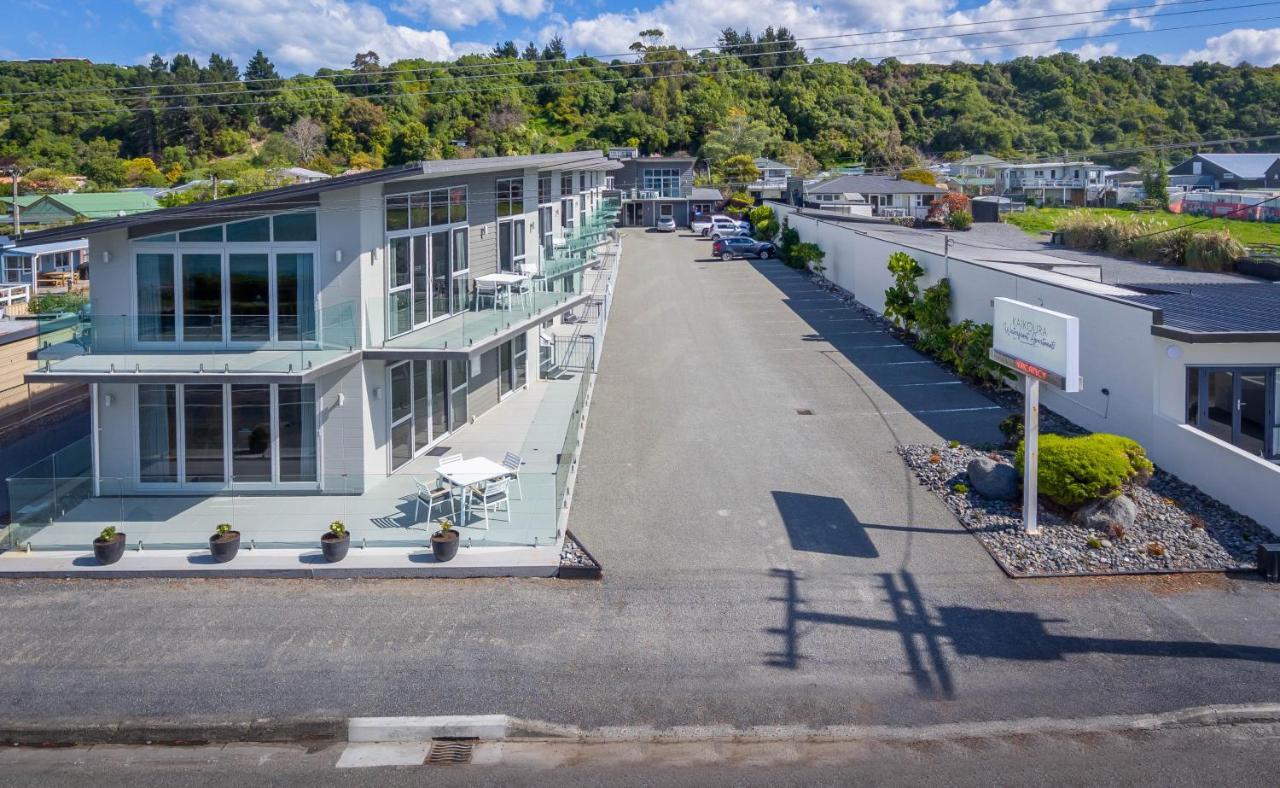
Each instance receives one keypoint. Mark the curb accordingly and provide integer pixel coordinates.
(493, 727)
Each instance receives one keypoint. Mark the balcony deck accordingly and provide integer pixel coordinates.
(469, 330)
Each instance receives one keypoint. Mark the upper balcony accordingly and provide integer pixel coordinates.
(683, 191)
(105, 347)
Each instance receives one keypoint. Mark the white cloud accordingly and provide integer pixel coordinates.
(1259, 47)
(298, 34)
(697, 23)
(1095, 51)
(453, 14)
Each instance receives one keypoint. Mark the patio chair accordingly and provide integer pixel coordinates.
(512, 463)
(489, 290)
(523, 290)
(490, 496)
(433, 497)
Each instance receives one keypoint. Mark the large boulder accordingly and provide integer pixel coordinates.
(992, 479)
(1101, 514)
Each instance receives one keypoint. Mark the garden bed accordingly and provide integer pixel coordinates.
(1193, 532)
(576, 563)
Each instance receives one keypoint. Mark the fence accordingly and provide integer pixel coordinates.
(48, 489)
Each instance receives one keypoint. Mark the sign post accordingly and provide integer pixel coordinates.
(1042, 346)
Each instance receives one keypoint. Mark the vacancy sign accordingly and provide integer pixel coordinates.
(1037, 342)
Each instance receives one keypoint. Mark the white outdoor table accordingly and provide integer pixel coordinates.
(504, 280)
(465, 473)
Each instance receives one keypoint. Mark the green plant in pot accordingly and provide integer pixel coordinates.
(224, 544)
(335, 542)
(109, 546)
(444, 543)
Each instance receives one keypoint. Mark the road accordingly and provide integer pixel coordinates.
(1244, 756)
(762, 566)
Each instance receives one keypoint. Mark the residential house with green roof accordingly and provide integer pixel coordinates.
(86, 207)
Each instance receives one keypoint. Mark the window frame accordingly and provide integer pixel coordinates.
(1271, 391)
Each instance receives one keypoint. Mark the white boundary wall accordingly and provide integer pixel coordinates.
(1146, 387)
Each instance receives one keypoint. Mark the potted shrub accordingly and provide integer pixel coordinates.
(224, 544)
(444, 543)
(335, 542)
(109, 546)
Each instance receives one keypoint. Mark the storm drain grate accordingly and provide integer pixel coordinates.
(803, 412)
(447, 751)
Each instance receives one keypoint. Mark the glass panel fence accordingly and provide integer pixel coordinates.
(297, 338)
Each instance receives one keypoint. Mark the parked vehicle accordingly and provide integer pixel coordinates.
(741, 246)
(701, 224)
(745, 227)
(666, 224)
(724, 227)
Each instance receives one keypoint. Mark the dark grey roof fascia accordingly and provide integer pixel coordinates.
(1213, 337)
(307, 194)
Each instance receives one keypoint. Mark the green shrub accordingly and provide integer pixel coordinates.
(960, 220)
(1078, 469)
(56, 303)
(900, 300)
(971, 351)
(931, 312)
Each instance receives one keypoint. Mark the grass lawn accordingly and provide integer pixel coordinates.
(1037, 220)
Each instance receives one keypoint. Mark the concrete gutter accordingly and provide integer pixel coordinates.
(499, 727)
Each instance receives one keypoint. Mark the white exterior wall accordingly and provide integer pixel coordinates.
(1118, 353)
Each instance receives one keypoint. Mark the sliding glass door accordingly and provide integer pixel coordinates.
(209, 436)
(423, 405)
(1238, 405)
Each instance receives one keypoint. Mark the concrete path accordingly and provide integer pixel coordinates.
(762, 567)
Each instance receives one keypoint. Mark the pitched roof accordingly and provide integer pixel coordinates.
(37, 249)
(977, 160)
(304, 194)
(872, 184)
(23, 199)
(101, 205)
(1246, 165)
(769, 164)
(706, 194)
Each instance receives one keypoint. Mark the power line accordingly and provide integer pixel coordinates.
(602, 56)
(650, 77)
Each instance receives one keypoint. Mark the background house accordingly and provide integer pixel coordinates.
(772, 183)
(872, 195)
(1215, 171)
(1054, 182)
(651, 187)
(976, 174)
(87, 206)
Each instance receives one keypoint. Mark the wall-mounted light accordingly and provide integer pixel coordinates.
(1174, 352)
(341, 399)
(106, 255)
(484, 230)
(108, 399)
(337, 255)
(377, 392)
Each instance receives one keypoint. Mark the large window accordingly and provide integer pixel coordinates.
(510, 196)
(1238, 405)
(249, 283)
(255, 434)
(428, 400)
(511, 244)
(666, 182)
(566, 184)
(544, 189)
(427, 263)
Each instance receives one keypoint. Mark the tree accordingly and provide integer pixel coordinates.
(530, 52)
(918, 175)
(142, 171)
(507, 49)
(1155, 182)
(554, 49)
(736, 135)
(944, 206)
(260, 74)
(307, 138)
(739, 170)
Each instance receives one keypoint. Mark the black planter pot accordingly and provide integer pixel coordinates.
(335, 547)
(223, 547)
(110, 550)
(444, 545)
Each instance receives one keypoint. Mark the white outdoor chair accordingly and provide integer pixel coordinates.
(491, 496)
(512, 463)
(433, 497)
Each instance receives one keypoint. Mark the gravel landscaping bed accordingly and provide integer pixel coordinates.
(576, 562)
(1178, 528)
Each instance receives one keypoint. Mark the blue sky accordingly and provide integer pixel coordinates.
(301, 35)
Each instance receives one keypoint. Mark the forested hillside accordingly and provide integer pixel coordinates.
(112, 123)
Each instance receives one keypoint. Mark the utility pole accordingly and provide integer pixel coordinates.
(14, 172)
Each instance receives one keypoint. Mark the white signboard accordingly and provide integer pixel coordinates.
(1037, 342)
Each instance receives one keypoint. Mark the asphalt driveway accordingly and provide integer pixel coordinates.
(768, 560)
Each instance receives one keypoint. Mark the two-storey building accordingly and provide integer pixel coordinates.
(654, 187)
(1055, 183)
(772, 183)
(314, 339)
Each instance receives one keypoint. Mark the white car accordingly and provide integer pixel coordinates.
(700, 224)
(723, 227)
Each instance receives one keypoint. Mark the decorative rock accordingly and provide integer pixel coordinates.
(1101, 514)
(995, 480)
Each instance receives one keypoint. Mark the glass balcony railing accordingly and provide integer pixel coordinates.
(82, 343)
(490, 314)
